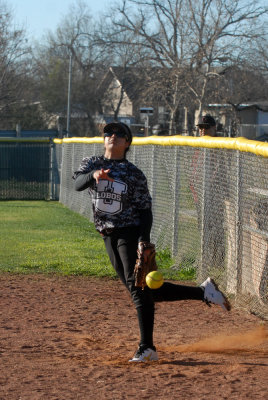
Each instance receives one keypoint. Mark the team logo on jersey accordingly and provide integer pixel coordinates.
(109, 196)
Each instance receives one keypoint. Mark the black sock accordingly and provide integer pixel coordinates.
(146, 324)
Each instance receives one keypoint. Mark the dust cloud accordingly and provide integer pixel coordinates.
(224, 343)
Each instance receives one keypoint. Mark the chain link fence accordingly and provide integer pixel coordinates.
(210, 208)
(210, 204)
(25, 170)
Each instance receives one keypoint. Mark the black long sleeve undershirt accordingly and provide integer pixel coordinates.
(83, 181)
(146, 217)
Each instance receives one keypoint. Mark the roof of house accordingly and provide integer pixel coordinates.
(130, 78)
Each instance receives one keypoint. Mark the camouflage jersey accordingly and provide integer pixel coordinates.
(116, 204)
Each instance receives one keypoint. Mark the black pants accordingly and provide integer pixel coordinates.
(121, 247)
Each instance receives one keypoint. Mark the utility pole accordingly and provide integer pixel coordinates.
(69, 95)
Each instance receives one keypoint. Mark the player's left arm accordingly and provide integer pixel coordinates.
(146, 218)
(143, 202)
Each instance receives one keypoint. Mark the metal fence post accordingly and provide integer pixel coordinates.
(152, 183)
(238, 222)
(203, 210)
(61, 172)
(50, 184)
(176, 200)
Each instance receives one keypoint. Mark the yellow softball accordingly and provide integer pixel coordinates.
(154, 279)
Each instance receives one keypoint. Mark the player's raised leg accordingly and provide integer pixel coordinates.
(212, 294)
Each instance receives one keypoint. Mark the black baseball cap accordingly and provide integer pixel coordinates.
(207, 122)
(118, 127)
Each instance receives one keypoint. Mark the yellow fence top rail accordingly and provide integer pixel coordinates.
(241, 144)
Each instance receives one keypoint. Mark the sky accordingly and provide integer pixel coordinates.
(39, 16)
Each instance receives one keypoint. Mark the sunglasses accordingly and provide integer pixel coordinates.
(118, 134)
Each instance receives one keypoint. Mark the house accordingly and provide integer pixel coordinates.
(122, 98)
(249, 120)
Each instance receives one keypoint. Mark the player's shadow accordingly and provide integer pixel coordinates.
(188, 363)
(192, 362)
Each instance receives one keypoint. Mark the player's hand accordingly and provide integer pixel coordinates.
(102, 174)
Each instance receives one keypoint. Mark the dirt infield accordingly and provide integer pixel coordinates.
(70, 338)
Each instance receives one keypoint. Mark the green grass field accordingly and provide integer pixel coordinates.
(46, 237)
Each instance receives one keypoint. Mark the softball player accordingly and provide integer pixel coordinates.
(122, 214)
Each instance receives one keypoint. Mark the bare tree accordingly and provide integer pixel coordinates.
(14, 63)
(127, 60)
(222, 31)
(75, 36)
(191, 39)
(257, 55)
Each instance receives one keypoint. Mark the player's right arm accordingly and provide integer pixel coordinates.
(84, 175)
(87, 174)
(83, 180)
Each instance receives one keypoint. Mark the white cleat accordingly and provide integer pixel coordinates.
(213, 295)
(145, 355)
